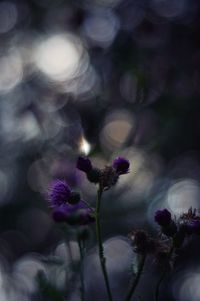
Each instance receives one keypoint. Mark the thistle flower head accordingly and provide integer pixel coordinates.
(94, 175)
(84, 164)
(59, 193)
(163, 217)
(121, 165)
(67, 205)
(107, 176)
(191, 214)
(142, 242)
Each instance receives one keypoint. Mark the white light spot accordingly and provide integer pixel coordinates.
(59, 57)
(116, 129)
(182, 195)
(11, 71)
(85, 147)
(186, 285)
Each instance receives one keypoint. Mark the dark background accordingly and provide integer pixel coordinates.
(104, 78)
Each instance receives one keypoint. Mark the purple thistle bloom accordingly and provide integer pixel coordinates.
(163, 217)
(121, 165)
(59, 193)
(84, 164)
(67, 206)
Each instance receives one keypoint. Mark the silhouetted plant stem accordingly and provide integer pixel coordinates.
(100, 243)
(82, 288)
(136, 279)
(157, 290)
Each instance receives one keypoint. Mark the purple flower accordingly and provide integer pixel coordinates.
(59, 193)
(84, 164)
(67, 205)
(78, 214)
(163, 217)
(121, 165)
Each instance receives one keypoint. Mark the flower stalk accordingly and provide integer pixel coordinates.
(136, 279)
(81, 250)
(157, 290)
(100, 243)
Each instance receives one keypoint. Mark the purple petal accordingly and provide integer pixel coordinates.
(59, 192)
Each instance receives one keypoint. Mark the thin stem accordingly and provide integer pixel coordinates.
(100, 244)
(157, 290)
(136, 279)
(82, 289)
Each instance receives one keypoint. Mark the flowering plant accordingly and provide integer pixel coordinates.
(68, 207)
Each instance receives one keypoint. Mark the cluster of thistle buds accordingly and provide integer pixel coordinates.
(106, 177)
(174, 233)
(68, 206)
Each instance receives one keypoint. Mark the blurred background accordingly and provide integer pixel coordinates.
(102, 78)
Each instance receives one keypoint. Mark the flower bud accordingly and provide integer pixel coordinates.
(94, 175)
(163, 217)
(84, 164)
(74, 198)
(121, 165)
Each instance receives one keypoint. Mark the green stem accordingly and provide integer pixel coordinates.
(82, 289)
(136, 279)
(100, 244)
(162, 276)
